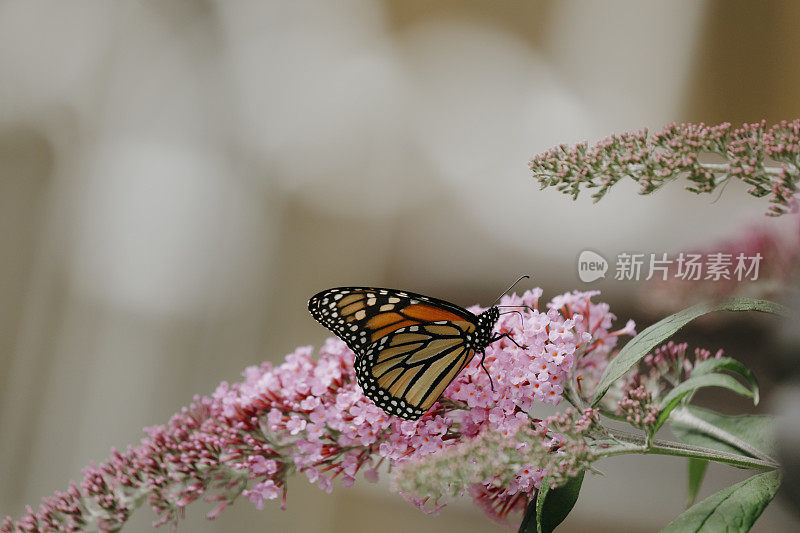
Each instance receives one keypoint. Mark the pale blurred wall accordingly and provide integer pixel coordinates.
(178, 178)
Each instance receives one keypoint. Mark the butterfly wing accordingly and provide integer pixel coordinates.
(408, 347)
(362, 315)
(406, 371)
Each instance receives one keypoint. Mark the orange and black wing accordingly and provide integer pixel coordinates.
(362, 315)
(406, 371)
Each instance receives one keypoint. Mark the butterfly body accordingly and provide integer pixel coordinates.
(409, 347)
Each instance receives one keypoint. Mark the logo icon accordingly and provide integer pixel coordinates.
(591, 266)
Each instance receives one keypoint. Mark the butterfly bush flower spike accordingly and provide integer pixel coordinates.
(309, 416)
(765, 158)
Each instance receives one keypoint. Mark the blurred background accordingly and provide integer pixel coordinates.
(177, 178)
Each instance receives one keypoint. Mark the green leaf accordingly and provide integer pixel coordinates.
(528, 524)
(551, 506)
(732, 365)
(697, 469)
(733, 509)
(662, 330)
(673, 398)
(755, 430)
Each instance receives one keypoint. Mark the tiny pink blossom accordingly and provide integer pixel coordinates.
(295, 425)
(260, 465)
(265, 490)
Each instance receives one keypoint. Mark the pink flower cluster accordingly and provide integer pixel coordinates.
(638, 408)
(669, 362)
(312, 400)
(654, 159)
(309, 415)
(659, 371)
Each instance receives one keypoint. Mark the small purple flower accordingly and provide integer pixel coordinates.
(295, 425)
(264, 490)
(260, 465)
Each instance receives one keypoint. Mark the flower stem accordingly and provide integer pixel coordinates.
(633, 443)
(725, 168)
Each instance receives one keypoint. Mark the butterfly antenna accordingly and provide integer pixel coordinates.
(508, 289)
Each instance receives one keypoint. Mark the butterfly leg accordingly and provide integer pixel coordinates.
(494, 339)
(507, 336)
(483, 356)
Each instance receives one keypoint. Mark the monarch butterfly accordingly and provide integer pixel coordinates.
(408, 347)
